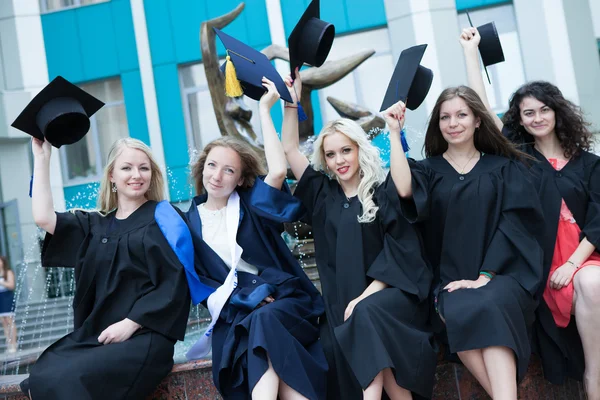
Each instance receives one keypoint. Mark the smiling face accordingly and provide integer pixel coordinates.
(132, 173)
(537, 118)
(457, 121)
(341, 156)
(222, 172)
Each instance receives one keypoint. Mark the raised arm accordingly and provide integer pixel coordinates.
(42, 205)
(394, 118)
(289, 133)
(469, 40)
(273, 149)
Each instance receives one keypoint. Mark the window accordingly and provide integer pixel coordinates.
(56, 5)
(507, 76)
(200, 120)
(84, 161)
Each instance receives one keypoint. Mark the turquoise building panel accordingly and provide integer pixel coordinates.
(99, 45)
(134, 103)
(160, 31)
(63, 46)
(125, 35)
(462, 5)
(346, 15)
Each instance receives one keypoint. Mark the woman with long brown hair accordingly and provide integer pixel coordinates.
(566, 175)
(7, 308)
(265, 311)
(479, 217)
(132, 300)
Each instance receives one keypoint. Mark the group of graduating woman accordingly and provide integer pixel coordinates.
(488, 243)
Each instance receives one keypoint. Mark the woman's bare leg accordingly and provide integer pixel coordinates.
(473, 360)
(587, 314)
(391, 387)
(267, 386)
(501, 367)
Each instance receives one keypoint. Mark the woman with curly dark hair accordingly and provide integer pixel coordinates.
(567, 177)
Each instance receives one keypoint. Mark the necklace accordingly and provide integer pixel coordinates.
(462, 169)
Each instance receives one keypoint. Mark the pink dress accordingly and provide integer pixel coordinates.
(560, 302)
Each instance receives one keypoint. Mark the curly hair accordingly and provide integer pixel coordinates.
(571, 129)
(487, 138)
(371, 168)
(252, 163)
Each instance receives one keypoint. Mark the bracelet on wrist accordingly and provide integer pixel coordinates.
(286, 106)
(487, 275)
(573, 264)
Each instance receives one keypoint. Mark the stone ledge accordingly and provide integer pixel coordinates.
(193, 381)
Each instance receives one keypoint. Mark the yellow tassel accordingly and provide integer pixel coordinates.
(233, 88)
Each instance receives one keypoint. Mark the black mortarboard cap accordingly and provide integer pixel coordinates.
(60, 113)
(410, 81)
(311, 39)
(250, 67)
(490, 47)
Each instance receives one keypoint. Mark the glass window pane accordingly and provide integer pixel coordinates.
(202, 119)
(86, 2)
(108, 91)
(193, 76)
(80, 158)
(111, 124)
(52, 5)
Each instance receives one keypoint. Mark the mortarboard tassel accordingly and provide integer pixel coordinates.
(301, 114)
(233, 88)
(405, 146)
(30, 185)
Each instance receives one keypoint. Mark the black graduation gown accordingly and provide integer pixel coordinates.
(486, 220)
(389, 328)
(578, 183)
(123, 269)
(287, 329)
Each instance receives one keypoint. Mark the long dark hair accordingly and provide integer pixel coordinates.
(487, 138)
(5, 266)
(570, 127)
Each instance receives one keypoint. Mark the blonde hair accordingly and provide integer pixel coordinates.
(107, 199)
(371, 168)
(252, 163)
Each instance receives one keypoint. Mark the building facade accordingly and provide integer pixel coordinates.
(142, 58)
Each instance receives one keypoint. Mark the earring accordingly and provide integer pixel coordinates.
(114, 187)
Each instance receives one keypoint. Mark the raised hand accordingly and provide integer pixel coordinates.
(294, 86)
(469, 39)
(271, 95)
(394, 117)
(41, 149)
